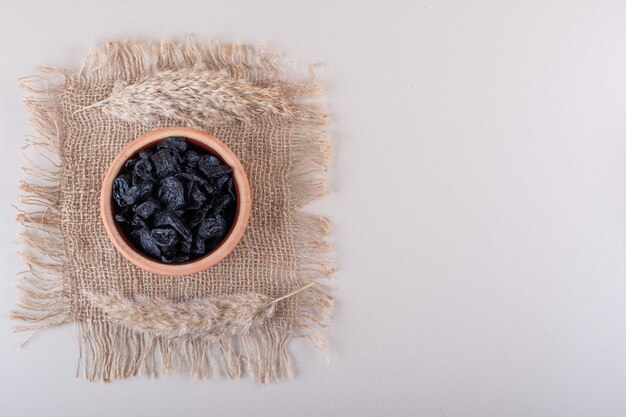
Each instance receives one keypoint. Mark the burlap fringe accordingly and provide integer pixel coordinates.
(43, 300)
(109, 350)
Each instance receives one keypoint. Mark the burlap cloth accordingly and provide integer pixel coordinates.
(69, 255)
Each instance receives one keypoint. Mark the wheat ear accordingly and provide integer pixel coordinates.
(214, 317)
(194, 97)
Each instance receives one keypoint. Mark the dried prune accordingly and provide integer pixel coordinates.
(121, 218)
(124, 216)
(137, 221)
(141, 191)
(175, 143)
(221, 203)
(198, 248)
(147, 208)
(209, 161)
(144, 238)
(169, 251)
(126, 195)
(221, 181)
(184, 247)
(212, 227)
(166, 162)
(176, 259)
(143, 171)
(196, 216)
(212, 167)
(171, 193)
(121, 187)
(164, 236)
(196, 198)
(175, 201)
(169, 218)
(230, 188)
(194, 175)
(191, 158)
(128, 165)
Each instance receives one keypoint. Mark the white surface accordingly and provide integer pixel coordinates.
(479, 200)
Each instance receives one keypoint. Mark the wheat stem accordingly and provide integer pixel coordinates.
(290, 294)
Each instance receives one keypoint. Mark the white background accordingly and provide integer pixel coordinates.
(478, 197)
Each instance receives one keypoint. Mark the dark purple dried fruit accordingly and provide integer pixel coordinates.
(221, 181)
(120, 218)
(184, 247)
(191, 158)
(142, 191)
(194, 175)
(124, 216)
(144, 239)
(221, 203)
(171, 193)
(197, 197)
(230, 188)
(176, 143)
(212, 167)
(195, 217)
(175, 202)
(164, 236)
(147, 208)
(176, 259)
(129, 165)
(198, 247)
(166, 162)
(138, 222)
(126, 195)
(207, 161)
(169, 251)
(212, 227)
(143, 171)
(121, 186)
(171, 219)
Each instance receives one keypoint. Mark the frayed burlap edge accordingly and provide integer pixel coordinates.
(109, 350)
(43, 299)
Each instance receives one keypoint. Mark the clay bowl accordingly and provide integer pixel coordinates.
(242, 214)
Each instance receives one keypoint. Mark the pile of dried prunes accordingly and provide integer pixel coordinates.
(175, 202)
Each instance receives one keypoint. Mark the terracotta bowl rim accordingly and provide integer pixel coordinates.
(242, 215)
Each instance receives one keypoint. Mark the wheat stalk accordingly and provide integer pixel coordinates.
(193, 97)
(215, 317)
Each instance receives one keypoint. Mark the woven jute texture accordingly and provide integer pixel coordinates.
(279, 132)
